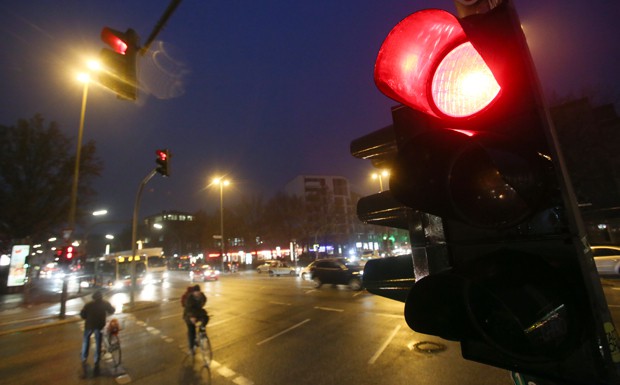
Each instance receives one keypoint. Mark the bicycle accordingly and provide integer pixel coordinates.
(204, 345)
(111, 342)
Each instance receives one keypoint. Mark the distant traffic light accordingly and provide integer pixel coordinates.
(66, 255)
(163, 162)
(119, 63)
(500, 254)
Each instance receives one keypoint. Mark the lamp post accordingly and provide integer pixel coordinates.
(221, 182)
(380, 175)
(84, 78)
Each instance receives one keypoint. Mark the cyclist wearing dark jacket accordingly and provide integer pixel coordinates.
(193, 312)
(94, 313)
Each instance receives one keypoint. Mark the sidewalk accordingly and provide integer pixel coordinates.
(38, 305)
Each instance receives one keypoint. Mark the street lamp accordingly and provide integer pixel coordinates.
(380, 175)
(84, 78)
(221, 182)
(109, 237)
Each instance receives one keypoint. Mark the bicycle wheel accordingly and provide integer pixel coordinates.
(114, 349)
(205, 349)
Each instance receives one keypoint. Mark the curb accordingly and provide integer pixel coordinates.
(42, 325)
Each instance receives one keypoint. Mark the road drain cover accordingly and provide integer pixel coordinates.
(429, 347)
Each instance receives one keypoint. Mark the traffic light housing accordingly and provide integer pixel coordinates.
(67, 255)
(163, 162)
(119, 62)
(499, 253)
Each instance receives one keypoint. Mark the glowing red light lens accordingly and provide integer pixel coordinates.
(114, 40)
(119, 46)
(463, 84)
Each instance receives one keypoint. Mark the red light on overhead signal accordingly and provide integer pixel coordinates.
(111, 38)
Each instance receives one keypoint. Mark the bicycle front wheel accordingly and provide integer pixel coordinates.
(115, 349)
(205, 349)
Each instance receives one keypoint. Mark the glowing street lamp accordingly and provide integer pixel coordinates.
(221, 182)
(380, 175)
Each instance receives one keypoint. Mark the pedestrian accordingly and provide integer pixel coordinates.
(94, 314)
(193, 312)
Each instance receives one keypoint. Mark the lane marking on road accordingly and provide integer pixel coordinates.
(152, 330)
(385, 345)
(282, 332)
(310, 291)
(329, 309)
(358, 293)
(390, 315)
(226, 372)
(171, 316)
(221, 321)
(123, 379)
(243, 381)
(280, 303)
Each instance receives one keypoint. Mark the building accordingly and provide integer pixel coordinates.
(331, 217)
(174, 231)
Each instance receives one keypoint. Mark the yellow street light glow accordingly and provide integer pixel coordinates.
(83, 77)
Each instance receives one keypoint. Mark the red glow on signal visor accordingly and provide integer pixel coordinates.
(427, 63)
(114, 39)
(162, 155)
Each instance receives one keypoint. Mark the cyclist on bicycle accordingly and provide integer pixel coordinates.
(193, 312)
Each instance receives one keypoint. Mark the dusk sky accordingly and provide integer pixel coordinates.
(261, 91)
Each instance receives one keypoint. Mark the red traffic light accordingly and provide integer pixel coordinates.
(69, 252)
(427, 63)
(115, 39)
(162, 155)
(162, 161)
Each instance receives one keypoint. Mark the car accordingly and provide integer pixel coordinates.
(607, 260)
(305, 273)
(204, 273)
(337, 271)
(265, 267)
(276, 268)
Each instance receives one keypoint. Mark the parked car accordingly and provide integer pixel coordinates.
(337, 271)
(276, 268)
(204, 273)
(607, 259)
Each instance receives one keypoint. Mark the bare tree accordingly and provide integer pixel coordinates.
(36, 174)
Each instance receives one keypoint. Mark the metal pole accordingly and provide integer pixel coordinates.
(134, 235)
(222, 222)
(74, 190)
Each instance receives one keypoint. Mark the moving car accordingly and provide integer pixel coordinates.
(607, 259)
(276, 268)
(204, 273)
(305, 273)
(337, 271)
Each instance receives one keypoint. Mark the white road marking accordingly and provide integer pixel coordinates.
(284, 331)
(226, 372)
(329, 309)
(385, 344)
(243, 381)
(280, 303)
(172, 316)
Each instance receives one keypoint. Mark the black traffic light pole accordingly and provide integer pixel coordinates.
(134, 234)
(159, 26)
